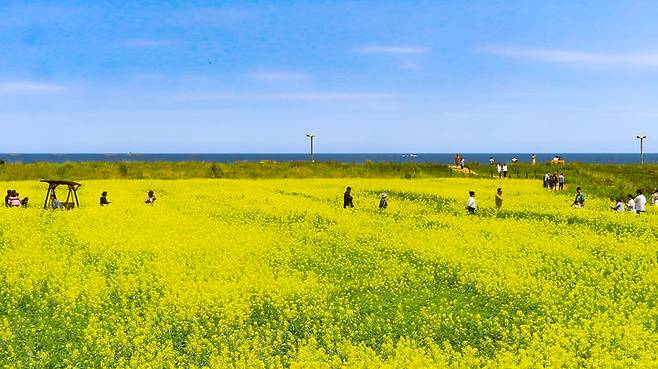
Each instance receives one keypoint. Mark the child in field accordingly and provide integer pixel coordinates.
(150, 199)
(103, 200)
(640, 202)
(579, 201)
(618, 206)
(631, 203)
(383, 203)
(499, 198)
(347, 198)
(14, 200)
(471, 205)
(56, 204)
(25, 201)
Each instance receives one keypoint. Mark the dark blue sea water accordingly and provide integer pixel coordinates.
(621, 158)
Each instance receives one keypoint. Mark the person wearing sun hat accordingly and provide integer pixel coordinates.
(383, 202)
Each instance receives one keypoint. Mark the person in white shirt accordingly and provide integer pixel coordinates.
(631, 203)
(640, 202)
(491, 161)
(618, 206)
(471, 204)
(515, 160)
(499, 168)
(505, 170)
(547, 177)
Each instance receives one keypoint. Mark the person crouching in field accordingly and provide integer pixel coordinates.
(103, 200)
(579, 201)
(618, 206)
(471, 205)
(150, 199)
(499, 198)
(347, 198)
(383, 202)
(56, 204)
(631, 203)
(14, 200)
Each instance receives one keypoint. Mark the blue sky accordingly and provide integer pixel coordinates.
(364, 76)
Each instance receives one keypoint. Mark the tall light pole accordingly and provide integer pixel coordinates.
(641, 138)
(311, 136)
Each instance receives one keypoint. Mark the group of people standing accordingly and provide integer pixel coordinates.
(459, 161)
(554, 182)
(635, 204)
(13, 200)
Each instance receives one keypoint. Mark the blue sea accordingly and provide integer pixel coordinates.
(445, 158)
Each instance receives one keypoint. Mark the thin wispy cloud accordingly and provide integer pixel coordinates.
(574, 57)
(392, 50)
(279, 76)
(296, 96)
(29, 87)
(147, 43)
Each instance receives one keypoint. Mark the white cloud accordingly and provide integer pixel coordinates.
(147, 44)
(297, 96)
(27, 86)
(392, 50)
(574, 57)
(281, 76)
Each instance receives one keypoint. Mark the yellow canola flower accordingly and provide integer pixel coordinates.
(277, 274)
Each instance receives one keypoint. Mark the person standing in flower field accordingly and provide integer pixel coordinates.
(504, 170)
(547, 177)
(347, 198)
(471, 205)
(383, 202)
(560, 181)
(579, 201)
(499, 198)
(499, 168)
(640, 202)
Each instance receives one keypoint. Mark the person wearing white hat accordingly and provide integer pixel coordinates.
(383, 202)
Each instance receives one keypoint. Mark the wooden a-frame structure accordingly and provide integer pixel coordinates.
(72, 194)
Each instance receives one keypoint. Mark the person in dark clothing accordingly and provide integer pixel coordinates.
(103, 200)
(7, 198)
(347, 198)
(24, 202)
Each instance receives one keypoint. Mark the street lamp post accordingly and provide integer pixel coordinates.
(641, 138)
(311, 136)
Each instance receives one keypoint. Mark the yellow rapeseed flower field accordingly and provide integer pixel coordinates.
(276, 274)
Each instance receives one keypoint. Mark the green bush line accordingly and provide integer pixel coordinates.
(195, 169)
(608, 180)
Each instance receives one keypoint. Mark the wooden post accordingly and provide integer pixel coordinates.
(75, 193)
(45, 203)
